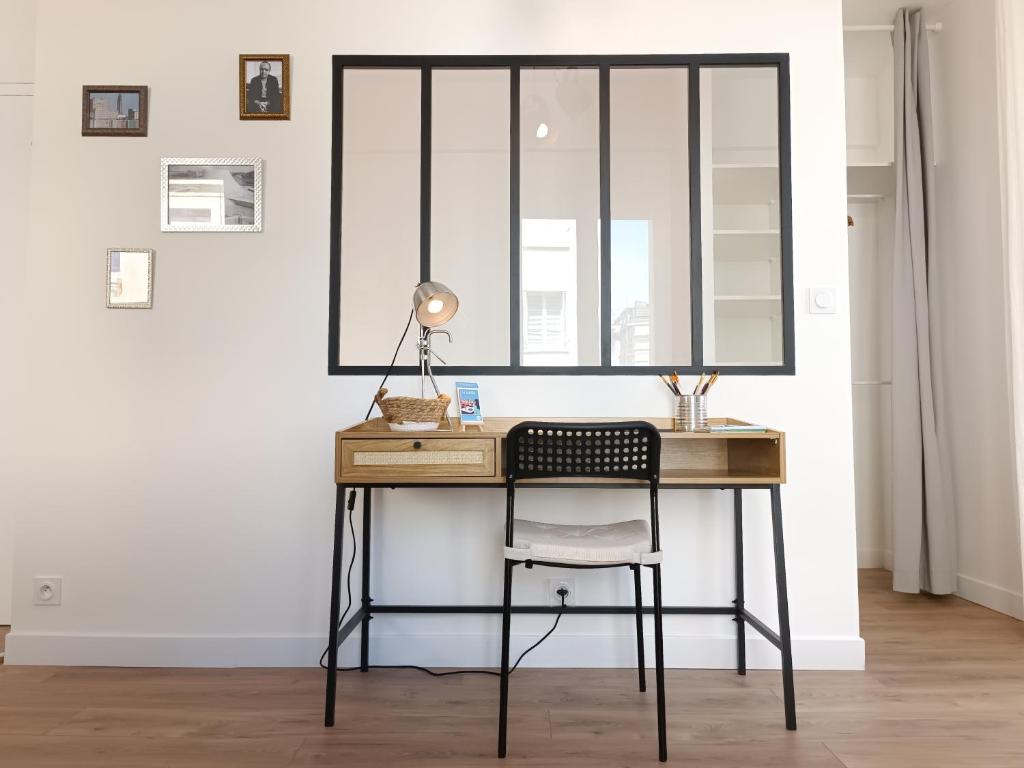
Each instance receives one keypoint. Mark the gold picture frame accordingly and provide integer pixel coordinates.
(272, 100)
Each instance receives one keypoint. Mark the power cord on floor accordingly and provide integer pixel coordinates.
(563, 593)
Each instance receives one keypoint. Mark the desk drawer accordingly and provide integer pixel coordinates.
(410, 459)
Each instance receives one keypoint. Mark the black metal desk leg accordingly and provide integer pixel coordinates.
(332, 632)
(364, 641)
(783, 599)
(741, 627)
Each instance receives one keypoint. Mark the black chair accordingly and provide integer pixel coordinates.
(617, 451)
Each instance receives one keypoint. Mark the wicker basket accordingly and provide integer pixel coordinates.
(400, 410)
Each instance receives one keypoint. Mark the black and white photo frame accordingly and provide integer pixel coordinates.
(211, 194)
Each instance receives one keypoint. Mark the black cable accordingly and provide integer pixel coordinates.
(348, 578)
(387, 375)
(352, 493)
(431, 672)
(468, 671)
(391, 365)
(562, 593)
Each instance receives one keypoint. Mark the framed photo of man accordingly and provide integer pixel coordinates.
(264, 87)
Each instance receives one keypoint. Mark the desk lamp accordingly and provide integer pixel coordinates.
(434, 305)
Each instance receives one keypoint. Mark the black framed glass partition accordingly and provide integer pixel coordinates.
(595, 214)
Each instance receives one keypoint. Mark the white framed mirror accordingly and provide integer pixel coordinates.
(129, 278)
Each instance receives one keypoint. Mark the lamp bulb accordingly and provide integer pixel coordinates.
(542, 131)
(434, 306)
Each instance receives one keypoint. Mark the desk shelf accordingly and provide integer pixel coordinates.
(687, 458)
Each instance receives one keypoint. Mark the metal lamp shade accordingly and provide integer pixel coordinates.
(429, 312)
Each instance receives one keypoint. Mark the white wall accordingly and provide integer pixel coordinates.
(177, 473)
(16, 63)
(870, 248)
(974, 397)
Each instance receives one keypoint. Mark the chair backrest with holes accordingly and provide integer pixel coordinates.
(624, 450)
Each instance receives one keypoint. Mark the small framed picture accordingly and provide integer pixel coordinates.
(264, 87)
(115, 110)
(211, 194)
(469, 402)
(129, 278)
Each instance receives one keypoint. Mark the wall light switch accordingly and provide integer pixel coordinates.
(821, 301)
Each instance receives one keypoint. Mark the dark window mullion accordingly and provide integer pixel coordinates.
(337, 139)
(786, 219)
(604, 112)
(515, 225)
(696, 258)
(425, 143)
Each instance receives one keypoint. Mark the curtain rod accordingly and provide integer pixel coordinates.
(937, 27)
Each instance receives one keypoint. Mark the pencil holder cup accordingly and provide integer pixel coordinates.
(691, 414)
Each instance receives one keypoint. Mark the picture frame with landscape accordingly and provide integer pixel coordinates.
(115, 110)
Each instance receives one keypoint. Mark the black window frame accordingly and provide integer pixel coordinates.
(603, 64)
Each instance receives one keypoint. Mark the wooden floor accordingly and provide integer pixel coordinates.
(944, 688)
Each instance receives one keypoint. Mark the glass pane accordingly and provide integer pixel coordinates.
(469, 208)
(380, 214)
(650, 206)
(741, 240)
(560, 207)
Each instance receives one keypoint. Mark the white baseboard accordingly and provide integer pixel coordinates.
(874, 558)
(991, 596)
(462, 650)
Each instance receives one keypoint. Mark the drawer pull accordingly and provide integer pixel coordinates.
(417, 445)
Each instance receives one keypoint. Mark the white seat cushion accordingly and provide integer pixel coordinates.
(628, 542)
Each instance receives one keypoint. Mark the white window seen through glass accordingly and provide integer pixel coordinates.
(650, 207)
(380, 214)
(559, 207)
(469, 210)
(740, 228)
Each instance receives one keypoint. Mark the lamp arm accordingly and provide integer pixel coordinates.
(425, 369)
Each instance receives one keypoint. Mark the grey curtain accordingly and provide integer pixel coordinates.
(924, 553)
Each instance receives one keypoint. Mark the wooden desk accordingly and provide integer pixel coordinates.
(369, 455)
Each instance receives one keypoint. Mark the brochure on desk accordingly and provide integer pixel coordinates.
(468, 395)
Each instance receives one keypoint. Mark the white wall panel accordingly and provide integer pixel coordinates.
(178, 472)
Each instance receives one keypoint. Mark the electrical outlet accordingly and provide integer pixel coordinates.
(46, 590)
(553, 586)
